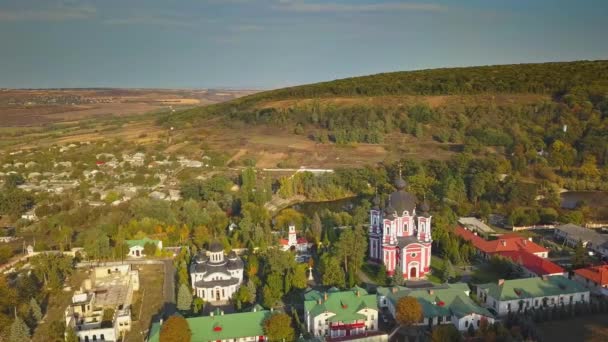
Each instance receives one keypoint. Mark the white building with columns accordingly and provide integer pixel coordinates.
(216, 277)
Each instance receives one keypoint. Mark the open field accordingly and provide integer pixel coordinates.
(38, 107)
(588, 328)
(147, 302)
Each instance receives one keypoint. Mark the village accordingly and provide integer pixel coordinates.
(506, 274)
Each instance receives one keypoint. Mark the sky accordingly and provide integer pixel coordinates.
(267, 44)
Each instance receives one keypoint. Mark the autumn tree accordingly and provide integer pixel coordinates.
(408, 311)
(445, 333)
(278, 328)
(175, 329)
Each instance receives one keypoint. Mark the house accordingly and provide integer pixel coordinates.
(442, 304)
(215, 278)
(340, 314)
(571, 234)
(516, 295)
(242, 327)
(594, 278)
(30, 215)
(301, 245)
(504, 243)
(534, 265)
(400, 234)
(136, 247)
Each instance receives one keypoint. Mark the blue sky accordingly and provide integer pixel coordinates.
(275, 43)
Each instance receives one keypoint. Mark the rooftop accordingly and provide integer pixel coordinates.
(474, 223)
(597, 274)
(532, 288)
(221, 327)
(504, 243)
(534, 263)
(442, 300)
(344, 304)
(583, 234)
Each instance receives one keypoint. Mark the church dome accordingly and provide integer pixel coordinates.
(215, 247)
(402, 200)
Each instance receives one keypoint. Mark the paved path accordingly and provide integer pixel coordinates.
(169, 289)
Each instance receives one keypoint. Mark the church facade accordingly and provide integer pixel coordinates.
(400, 234)
(216, 277)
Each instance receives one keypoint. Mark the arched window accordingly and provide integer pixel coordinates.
(94, 337)
(86, 339)
(103, 338)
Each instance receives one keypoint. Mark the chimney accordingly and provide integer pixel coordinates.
(431, 292)
(545, 277)
(394, 289)
(221, 312)
(319, 301)
(501, 282)
(530, 238)
(358, 293)
(211, 314)
(325, 296)
(503, 242)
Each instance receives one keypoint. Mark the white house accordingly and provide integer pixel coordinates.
(521, 294)
(215, 278)
(136, 247)
(442, 304)
(335, 313)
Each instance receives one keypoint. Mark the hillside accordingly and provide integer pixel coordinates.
(557, 112)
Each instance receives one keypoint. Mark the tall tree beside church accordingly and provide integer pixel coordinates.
(316, 228)
(184, 298)
(580, 258)
(332, 273)
(351, 248)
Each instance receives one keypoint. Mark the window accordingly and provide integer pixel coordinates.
(509, 306)
(553, 301)
(478, 322)
(466, 324)
(571, 299)
(536, 302)
(94, 337)
(102, 337)
(413, 255)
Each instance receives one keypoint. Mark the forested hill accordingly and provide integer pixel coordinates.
(557, 111)
(542, 78)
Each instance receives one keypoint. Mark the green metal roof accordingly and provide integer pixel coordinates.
(236, 325)
(344, 304)
(532, 287)
(140, 242)
(454, 297)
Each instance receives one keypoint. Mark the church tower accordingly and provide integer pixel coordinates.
(400, 235)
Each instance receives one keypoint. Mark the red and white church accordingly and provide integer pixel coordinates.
(399, 236)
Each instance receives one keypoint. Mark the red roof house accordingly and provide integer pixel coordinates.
(504, 243)
(595, 278)
(534, 264)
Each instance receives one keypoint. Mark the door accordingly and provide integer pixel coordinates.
(217, 294)
(413, 272)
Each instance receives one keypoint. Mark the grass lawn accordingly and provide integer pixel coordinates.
(57, 304)
(589, 328)
(147, 302)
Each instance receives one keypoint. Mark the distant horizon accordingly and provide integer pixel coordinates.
(229, 88)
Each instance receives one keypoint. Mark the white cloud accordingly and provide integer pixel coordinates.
(59, 12)
(307, 7)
